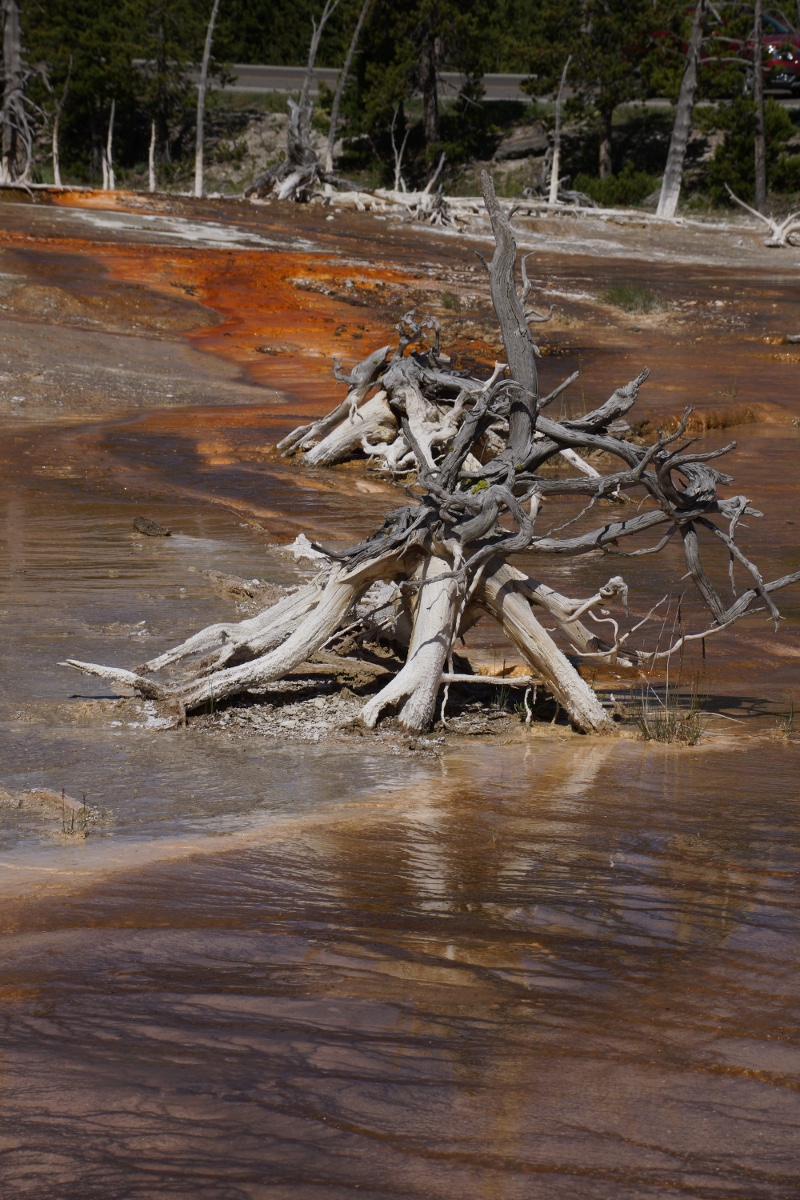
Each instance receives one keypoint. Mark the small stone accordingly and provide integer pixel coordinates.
(150, 528)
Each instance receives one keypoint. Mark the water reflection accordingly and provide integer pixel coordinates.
(533, 973)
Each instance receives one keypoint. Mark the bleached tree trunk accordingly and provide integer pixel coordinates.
(151, 158)
(301, 170)
(56, 160)
(201, 102)
(605, 163)
(673, 174)
(16, 137)
(399, 182)
(760, 146)
(514, 613)
(57, 111)
(340, 86)
(555, 169)
(417, 683)
(109, 182)
(475, 504)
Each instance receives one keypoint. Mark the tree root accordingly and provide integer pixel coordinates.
(477, 449)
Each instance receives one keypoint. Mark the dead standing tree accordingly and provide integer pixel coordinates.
(15, 128)
(447, 554)
(301, 172)
(684, 110)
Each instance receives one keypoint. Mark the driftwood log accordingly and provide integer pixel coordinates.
(479, 452)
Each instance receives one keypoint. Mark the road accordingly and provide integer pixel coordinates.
(257, 78)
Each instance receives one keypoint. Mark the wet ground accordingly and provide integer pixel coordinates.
(527, 965)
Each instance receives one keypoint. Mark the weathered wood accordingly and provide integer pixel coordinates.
(514, 613)
(517, 340)
(682, 125)
(477, 448)
(373, 419)
(16, 139)
(202, 87)
(300, 173)
(417, 684)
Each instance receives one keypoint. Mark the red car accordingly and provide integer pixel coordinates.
(781, 54)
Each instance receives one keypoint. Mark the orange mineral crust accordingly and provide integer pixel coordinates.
(286, 315)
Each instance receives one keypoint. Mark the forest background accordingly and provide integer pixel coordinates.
(626, 61)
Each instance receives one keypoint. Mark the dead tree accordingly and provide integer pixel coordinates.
(781, 233)
(476, 501)
(58, 108)
(15, 128)
(151, 159)
(673, 173)
(342, 80)
(555, 167)
(300, 173)
(201, 103)
(107, 154)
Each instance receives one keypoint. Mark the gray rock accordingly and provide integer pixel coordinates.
(525, 141)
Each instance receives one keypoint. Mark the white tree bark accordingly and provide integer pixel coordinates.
(673, 173)
(151, 158)
(254, 636)
(417, 683)
(15, 136)
(760, 139)
(201, 102)
(498, 592)
(372, 420)
(555, 169)
(109, 181)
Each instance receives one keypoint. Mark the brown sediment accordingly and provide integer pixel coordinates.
(550, 967)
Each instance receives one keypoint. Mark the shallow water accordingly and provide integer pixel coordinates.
(551, 967)
(536, 973)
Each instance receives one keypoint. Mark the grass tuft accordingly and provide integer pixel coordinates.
(673, 719)
(633, 299)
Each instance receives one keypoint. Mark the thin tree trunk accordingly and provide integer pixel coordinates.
(673, 174)
(399, 182)
(151, 158)
(327, 12)
(760, 141)
(340, 86)
(56, 160)
(109, 182)
(556, 165)
(605, 165)
(59, 108)
(430, 89)
(201, 102)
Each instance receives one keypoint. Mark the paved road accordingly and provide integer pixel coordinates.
(248, 78)
(255, 78)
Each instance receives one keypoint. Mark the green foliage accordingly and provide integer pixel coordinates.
(136, 53)
(733, 160)
(132, 52)
(786, 173)
(618, 191)
(633, 298)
